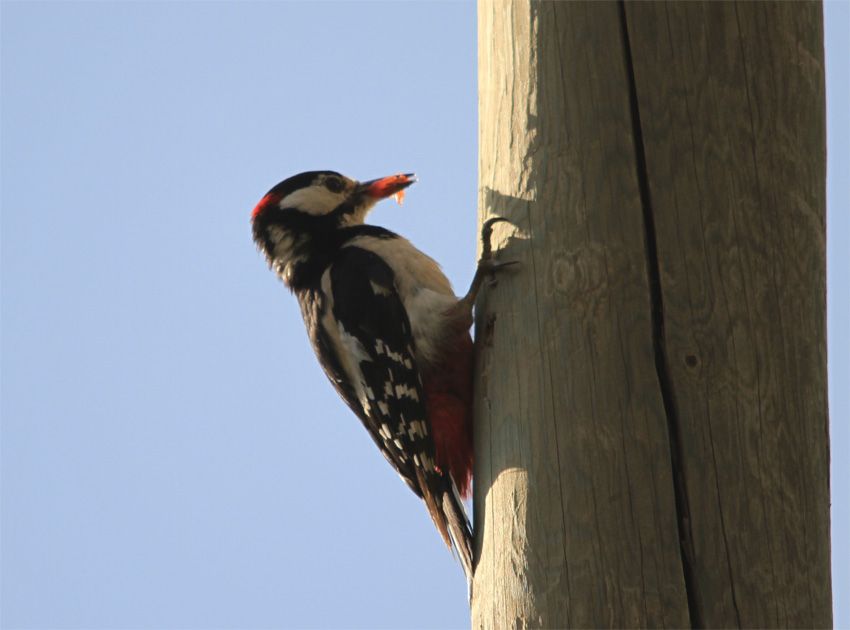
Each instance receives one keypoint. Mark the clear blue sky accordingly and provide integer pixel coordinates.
(172, 455)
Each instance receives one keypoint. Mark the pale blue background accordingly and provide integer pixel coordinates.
(172, 456)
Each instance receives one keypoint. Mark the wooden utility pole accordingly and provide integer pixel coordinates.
(651, 410)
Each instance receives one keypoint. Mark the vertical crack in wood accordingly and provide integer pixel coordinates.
(662, 369)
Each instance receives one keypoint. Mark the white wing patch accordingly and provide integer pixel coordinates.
(386, 401)
(422, 459)
(417, 429)
(379, 290)
(352, 344)
(354, 350)
(404, 390)
(348, 348)
(382, 348)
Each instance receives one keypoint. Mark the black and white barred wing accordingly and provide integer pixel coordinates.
(370, 333)
(362, 334)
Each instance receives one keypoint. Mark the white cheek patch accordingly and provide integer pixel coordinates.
(282, 256)
(315, 200)
(283, 242)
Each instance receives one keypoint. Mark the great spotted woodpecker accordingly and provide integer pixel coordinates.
(387, 328)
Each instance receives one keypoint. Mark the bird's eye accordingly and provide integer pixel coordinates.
(334, 184)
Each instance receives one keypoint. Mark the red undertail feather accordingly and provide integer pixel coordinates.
(448, 394)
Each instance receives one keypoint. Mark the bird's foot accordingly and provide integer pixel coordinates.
(487, 267)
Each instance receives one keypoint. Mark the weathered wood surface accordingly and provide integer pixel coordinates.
(574, 502)
(731, 100)
(639, 465)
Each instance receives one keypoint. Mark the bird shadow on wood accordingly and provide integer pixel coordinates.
(515, 212)
(509, 243)
(495, 323)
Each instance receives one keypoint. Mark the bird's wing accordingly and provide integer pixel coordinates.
(374, 346)
(360, 328)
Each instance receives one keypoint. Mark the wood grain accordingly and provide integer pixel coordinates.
(731, 99)
(651, 421)
(574, 499)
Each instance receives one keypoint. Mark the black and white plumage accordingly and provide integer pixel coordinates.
(387, 328)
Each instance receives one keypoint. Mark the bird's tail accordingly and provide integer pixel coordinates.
(446, 510)
(460, 530)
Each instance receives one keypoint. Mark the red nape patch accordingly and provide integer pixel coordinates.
(448, 396)
(269, 199)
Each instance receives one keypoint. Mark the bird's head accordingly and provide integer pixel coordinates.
(304, 210)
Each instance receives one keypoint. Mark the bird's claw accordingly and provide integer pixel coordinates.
(490, 267)
(487, 234)
(487, 267)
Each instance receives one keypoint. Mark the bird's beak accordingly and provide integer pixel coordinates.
(387, 186)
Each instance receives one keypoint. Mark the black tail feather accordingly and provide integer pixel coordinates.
(446, 509)
(459, 530)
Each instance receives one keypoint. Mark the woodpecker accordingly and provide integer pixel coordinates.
(387, 328)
